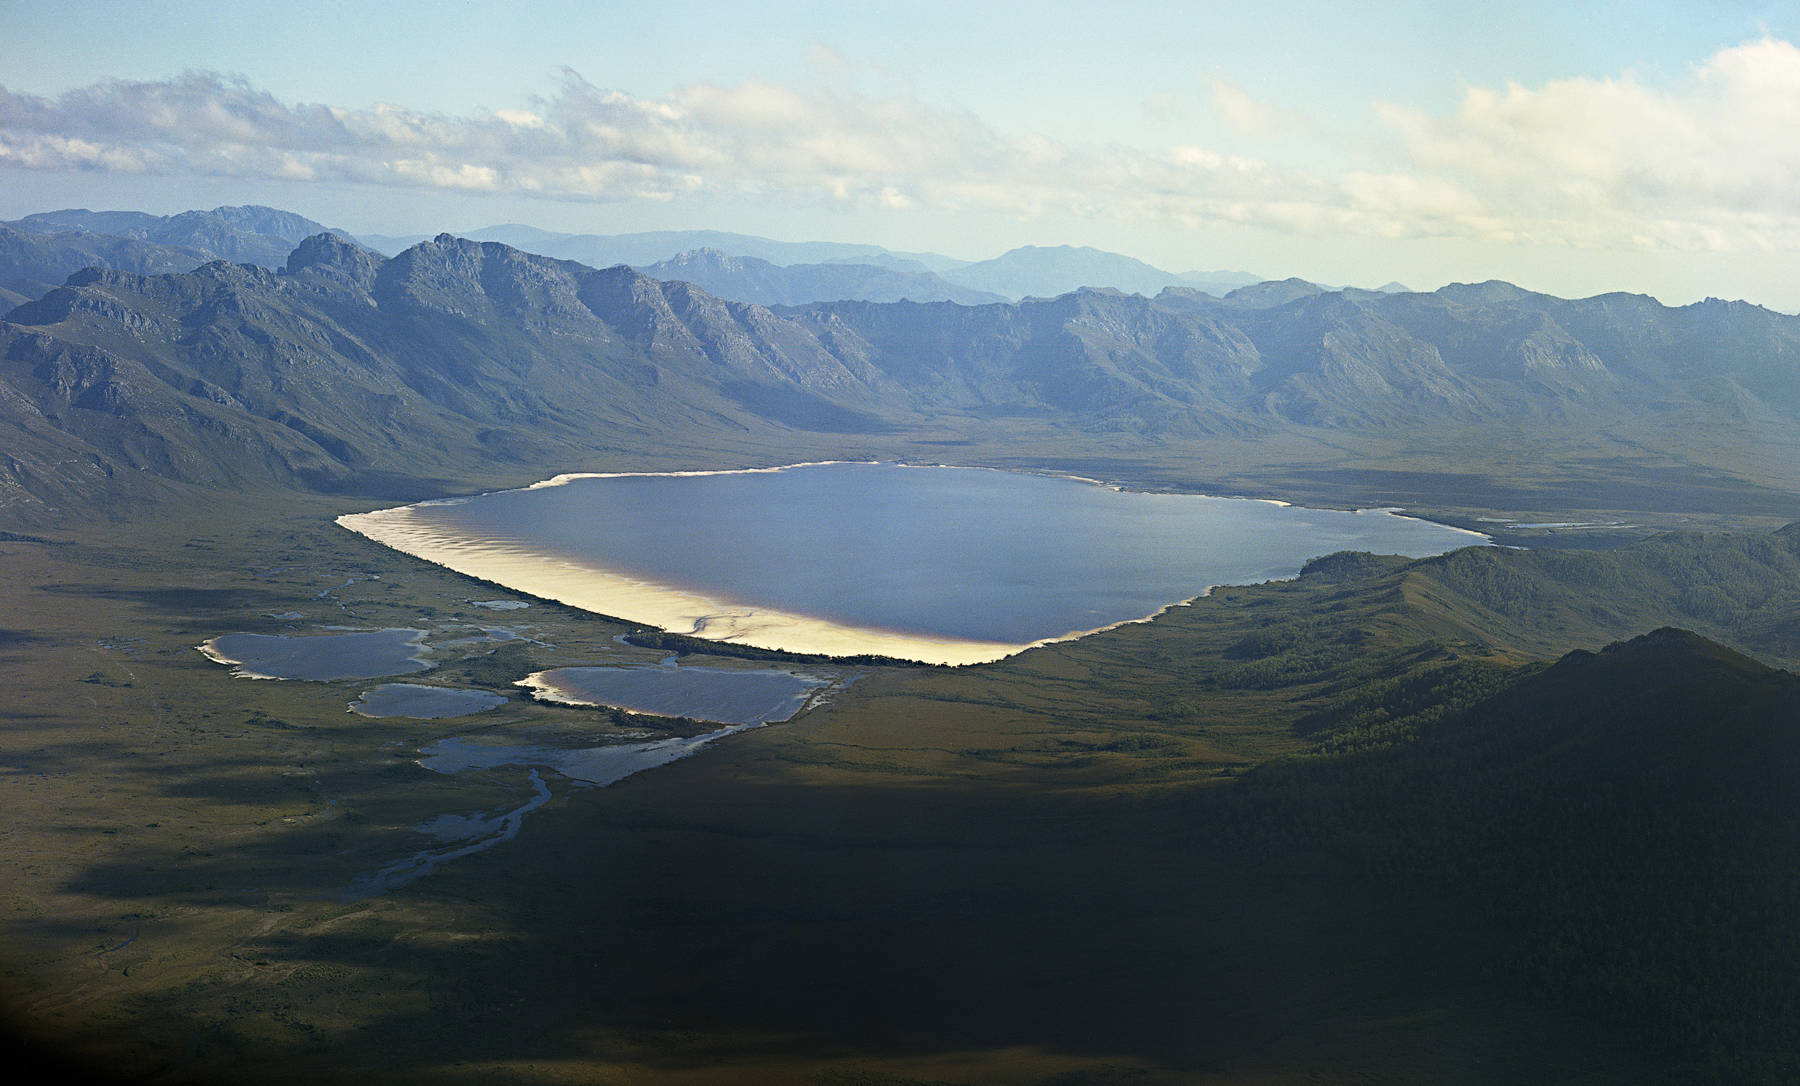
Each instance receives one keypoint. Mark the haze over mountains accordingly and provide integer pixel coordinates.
(342, 367)
(39, 251)
(747, 279)
(1026, 271)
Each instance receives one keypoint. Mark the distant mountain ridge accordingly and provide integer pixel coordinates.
(264, 236)
(747, 279)
(652, 246)
(1029, 270)
(343, 368)
(39, 251)
(243, 235)
(32, 264)
(1046, 271)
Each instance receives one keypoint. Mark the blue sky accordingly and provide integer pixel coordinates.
(1570, 148)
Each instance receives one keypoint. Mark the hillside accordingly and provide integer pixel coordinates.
(342, 369)
(1618, 827)
(32, 264)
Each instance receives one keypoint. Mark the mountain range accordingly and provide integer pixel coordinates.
(39, 251)
(343, 366)
(1025, 271)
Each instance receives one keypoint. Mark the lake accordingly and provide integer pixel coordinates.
(943, 564)
(353, 654)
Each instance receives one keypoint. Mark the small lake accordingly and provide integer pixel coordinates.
(717, 694)
(350, 654)
(929, 563)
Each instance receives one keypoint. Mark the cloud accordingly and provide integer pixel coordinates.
(1238, 109)
(591, 143)
(1706, 162)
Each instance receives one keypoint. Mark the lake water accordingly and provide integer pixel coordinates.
(717, 694)
(587, 765)
(352, 654)
(946, 564)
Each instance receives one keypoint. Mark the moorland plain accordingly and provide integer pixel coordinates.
(1017, 871)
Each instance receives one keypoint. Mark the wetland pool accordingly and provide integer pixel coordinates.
(424, 702)
(717, 694)
(335, 654)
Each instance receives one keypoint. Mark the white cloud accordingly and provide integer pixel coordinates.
(1238, 109)
(591, 143)
(1707, 162)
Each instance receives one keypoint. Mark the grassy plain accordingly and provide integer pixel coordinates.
(1015, 873)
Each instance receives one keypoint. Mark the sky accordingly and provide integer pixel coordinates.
(1574, 148)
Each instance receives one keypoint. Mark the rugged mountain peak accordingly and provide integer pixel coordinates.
(1724, 308)
(257, 219)
(467, 279)
(99, 277)
(328, 252)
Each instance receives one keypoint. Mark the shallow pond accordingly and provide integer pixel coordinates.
(347, 654)
(721, 695)
(424, 702)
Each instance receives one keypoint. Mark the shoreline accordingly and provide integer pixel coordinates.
(1399, 511)
(602, 591)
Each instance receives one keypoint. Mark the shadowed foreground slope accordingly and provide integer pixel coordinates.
(1087, 861)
